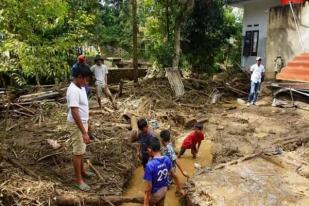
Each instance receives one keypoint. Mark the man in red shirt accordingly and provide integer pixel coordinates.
(193, 141)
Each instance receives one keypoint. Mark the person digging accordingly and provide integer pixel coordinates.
(100, 71)
(78, 117)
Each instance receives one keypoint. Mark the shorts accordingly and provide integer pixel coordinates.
(100, 89)
(182, 151)
(158, 197)
(79, 147)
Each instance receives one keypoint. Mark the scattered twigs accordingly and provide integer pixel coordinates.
(95, 170)
(13, 126)
(238, 91)
(23, 113)
(16, 163)
(25, 108)
(48, 156)
(108, 109)
(95, 112)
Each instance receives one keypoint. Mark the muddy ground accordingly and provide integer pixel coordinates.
(34, 173)
(260, 157)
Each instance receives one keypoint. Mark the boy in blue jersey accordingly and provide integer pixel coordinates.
(168, 150)
(156, 176)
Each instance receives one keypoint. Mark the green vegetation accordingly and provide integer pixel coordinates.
(41, 37)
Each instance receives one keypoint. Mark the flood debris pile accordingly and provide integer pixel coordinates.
(37, 154)
(36, 163)
(36, 141)
(46, 163)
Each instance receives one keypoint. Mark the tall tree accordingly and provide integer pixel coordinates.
(183, 14)
(206, 35)
(42, 36)
(135, 32)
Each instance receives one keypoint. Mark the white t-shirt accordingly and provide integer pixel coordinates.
(257, 71)
(99, 73)
(77, 97)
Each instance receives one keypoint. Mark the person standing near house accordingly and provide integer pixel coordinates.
(257, 76)
(100, 72)
(78, 117)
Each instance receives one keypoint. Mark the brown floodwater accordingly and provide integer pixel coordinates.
(204, 158)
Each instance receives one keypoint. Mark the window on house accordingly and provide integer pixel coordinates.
(251, 43)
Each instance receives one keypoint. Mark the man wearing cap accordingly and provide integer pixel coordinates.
(78, 117)
(81, 61)
(257, 75)
(100, 72)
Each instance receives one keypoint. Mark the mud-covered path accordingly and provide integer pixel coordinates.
(277, 175)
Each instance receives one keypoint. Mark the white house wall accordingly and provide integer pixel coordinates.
(256, 13)
(282, 34)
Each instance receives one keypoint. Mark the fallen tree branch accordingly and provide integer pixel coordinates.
(25, 108)
(95, 170)
(238, 91)
(74, 200)
(49, 155)
(16, 163)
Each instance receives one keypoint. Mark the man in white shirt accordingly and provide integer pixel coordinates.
(78, 117)
(100, 72)
(257, 75)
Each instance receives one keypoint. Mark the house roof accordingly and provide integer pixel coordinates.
(296, 70)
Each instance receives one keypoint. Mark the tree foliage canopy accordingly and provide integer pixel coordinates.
(207, 35)
(41, 37)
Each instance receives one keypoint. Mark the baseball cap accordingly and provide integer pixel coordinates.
(258, 58)
(81, 58)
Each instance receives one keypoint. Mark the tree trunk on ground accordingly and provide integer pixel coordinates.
(74, 200)
(185, 12)
(135, 31)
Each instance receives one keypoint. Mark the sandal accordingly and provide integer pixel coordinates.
(83, 187)
(88, 174)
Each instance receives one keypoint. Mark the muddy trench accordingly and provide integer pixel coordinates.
(190, 165)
